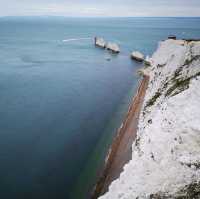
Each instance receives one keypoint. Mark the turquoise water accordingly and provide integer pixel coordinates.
(61, 102)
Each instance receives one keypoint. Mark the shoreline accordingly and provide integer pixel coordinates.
(120, 151)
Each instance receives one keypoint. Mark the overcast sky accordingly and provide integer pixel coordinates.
(100, 7)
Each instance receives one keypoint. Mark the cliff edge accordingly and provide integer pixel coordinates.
(166, 153)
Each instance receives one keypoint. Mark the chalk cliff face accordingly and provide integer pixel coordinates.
(166, 154)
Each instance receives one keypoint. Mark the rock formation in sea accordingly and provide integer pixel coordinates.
(100, 42)
(166, 153)
(138, 56)
(113, 47)
(147, 61)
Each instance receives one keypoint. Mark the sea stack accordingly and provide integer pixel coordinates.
(113, 47)
(137, 56)
(100, 42)
(147, 61)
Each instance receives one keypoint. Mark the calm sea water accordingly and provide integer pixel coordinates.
(61, 102)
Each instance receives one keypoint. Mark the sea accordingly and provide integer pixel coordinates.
(62, 99)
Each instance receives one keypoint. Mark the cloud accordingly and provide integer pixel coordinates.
(101, 8)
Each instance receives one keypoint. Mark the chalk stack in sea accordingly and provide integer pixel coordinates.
(138, 56)
(113, 47)
(100, 42)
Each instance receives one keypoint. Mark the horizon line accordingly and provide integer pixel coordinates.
(65, 16)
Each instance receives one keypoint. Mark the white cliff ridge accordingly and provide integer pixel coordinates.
(166, 153)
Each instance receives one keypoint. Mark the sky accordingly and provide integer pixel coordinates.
(100, 8)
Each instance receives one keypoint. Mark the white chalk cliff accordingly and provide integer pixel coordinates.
(166, 154)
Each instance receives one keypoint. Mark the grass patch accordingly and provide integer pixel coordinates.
(196, 165)
(152, 101)
(161, 65)
(179, 85)
(189, 61)
(191, 191)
